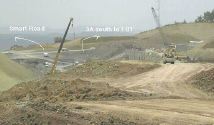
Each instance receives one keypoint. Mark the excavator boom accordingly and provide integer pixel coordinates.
(157, 21)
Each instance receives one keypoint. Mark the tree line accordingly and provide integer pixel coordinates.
(207, 17)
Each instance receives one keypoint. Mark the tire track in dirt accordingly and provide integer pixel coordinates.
(169, 111)
(168, 80)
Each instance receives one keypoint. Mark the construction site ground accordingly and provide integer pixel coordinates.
(114, 93)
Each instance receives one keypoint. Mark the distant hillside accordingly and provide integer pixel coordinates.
(109, 46)
(180, 33)
(175, 33)
(11, 73)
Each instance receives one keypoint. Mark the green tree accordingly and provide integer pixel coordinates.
(212, 14)
(199, 19)
(207, 17)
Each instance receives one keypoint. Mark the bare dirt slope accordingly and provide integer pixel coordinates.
(187, 105)
(170, 99)
(204, 81)
(109, 69)
(168, 80)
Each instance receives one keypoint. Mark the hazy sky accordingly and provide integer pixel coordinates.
(137, 13)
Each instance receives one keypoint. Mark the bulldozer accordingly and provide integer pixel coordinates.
(169, 55)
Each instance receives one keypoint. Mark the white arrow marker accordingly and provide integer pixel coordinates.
(96, 36)
(30, 41)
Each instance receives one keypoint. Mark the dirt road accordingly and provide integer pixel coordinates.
(157, 111)
(168, 80)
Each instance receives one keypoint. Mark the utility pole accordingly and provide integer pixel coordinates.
(60, 48)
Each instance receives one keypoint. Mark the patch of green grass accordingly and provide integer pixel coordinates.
(110, 39)
(179, 38)
(11, 73)
(6, 81)
(185, 32)
(200, 53)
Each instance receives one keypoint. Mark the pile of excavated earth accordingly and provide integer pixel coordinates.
(71, 99)
(40, 102)
(110, 69)
(205, 81)
(52, 90)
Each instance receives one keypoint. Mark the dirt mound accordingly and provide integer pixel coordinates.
(204, 81)
(44, 102)
(58, 90)
(47, 101)
(209, 45)
(111, 120)
(41, 113)
(110, 69)
(44, 113)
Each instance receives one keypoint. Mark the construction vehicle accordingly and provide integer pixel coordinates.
(45, 54)
(169, 55)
